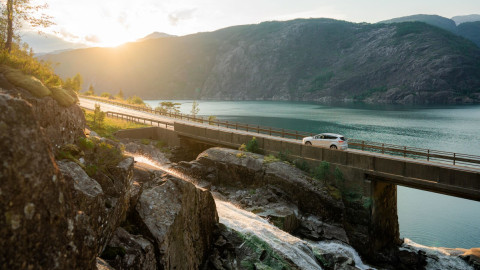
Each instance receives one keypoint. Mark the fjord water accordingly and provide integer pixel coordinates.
(426, 218)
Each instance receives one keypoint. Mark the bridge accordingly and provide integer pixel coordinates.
(436, 171)
(371, 170)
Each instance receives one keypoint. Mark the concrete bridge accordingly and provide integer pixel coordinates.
(455, 180)
(373, 176)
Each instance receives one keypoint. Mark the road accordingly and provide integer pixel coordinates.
(90, 104)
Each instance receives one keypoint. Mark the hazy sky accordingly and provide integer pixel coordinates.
(111, 22)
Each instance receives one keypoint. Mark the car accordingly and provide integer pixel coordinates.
(331, 140)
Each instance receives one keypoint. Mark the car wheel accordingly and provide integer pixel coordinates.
(308, 143)
(333, 147)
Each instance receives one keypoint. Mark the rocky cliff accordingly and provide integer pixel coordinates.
(65, 198)
(313, 60)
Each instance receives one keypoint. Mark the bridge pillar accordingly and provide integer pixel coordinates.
(384, 218)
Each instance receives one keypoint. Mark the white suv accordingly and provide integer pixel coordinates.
(334, 141)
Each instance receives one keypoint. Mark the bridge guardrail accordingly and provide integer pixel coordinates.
(390, 149)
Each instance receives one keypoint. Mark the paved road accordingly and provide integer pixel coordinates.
(90, 104)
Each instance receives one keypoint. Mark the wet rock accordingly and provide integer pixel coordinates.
(156, 153)
(135, 252)
(37, 225)
(313, 228)
(180, 218)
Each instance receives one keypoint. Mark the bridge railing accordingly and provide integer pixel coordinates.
(390, 149)
(137, 119)
(415, 153)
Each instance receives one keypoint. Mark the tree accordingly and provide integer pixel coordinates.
(91, 91)
(98, 116)
(74, 83)
(195, 108)
(168, 107)
(120, 95)
(21, 13)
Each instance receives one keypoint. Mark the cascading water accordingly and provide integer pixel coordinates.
(437, 257)
(294, 249)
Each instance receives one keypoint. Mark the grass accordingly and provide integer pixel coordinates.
(110, 125)
(270, 159)
(63, 97)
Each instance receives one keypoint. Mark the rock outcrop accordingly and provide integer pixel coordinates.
(38, 223)
(98, 213)
(180, 218)
(275, 190)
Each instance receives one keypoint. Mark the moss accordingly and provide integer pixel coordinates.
(145, 141)
(28, 82)
(85, 144)
(334, 192)
(240, 155)
(270, 159)
(160, 144)
(264, 255)
(110, 253)
(62, 96)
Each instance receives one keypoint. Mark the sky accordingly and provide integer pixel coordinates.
(113, 22)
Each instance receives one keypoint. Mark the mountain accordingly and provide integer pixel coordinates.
(454, 25)
(470, 30)
(155, 35)
(466, 18)
(435, 20)
(48, 43)
(304, 59)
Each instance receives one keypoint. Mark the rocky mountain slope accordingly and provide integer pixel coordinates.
(464, 26)
(313, 60)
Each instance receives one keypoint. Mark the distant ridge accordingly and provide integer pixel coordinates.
(466, 18)
(467, 26)
(155, 35)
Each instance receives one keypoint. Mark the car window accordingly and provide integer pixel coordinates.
(330, 137)
(342, 138)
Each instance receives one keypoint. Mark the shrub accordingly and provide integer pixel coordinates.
(243, 147)
(212, 119)
(98, 116)
(135, 100)
(302, 165)
(160, 144)
(340, 181)
(283, 156)
(252, 146)
(322, 171)
(85, 144)
(105, 95)
(145, 141)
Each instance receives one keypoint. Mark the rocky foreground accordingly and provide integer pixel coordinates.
(72, 201)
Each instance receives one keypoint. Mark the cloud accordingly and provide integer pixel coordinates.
(123, 20)
(66, 35)
(181, 15)
(93, 39)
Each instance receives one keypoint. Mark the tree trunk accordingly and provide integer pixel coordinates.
(8, 44)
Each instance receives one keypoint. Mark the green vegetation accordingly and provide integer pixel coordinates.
(322, 172)
(109, 125)
(135, 100)
(145, 141)
(270, 159)
(168, 107)
(252, 146)
(74, 84)
(264, 256)
(370, 92)
(98, 117)
(106, 95)
(64, 97)
(319, 82)
(212, 119)
(195, 108)
(302, 165)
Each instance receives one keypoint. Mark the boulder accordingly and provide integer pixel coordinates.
(135, 252)
(180, 218)
(37, 223)
(99, 213)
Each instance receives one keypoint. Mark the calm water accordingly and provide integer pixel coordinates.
(426, 218)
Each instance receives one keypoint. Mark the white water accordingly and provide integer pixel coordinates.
(437, 257)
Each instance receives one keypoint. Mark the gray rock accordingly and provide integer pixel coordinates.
(139, 253)
(81, 181)
(181, 218)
